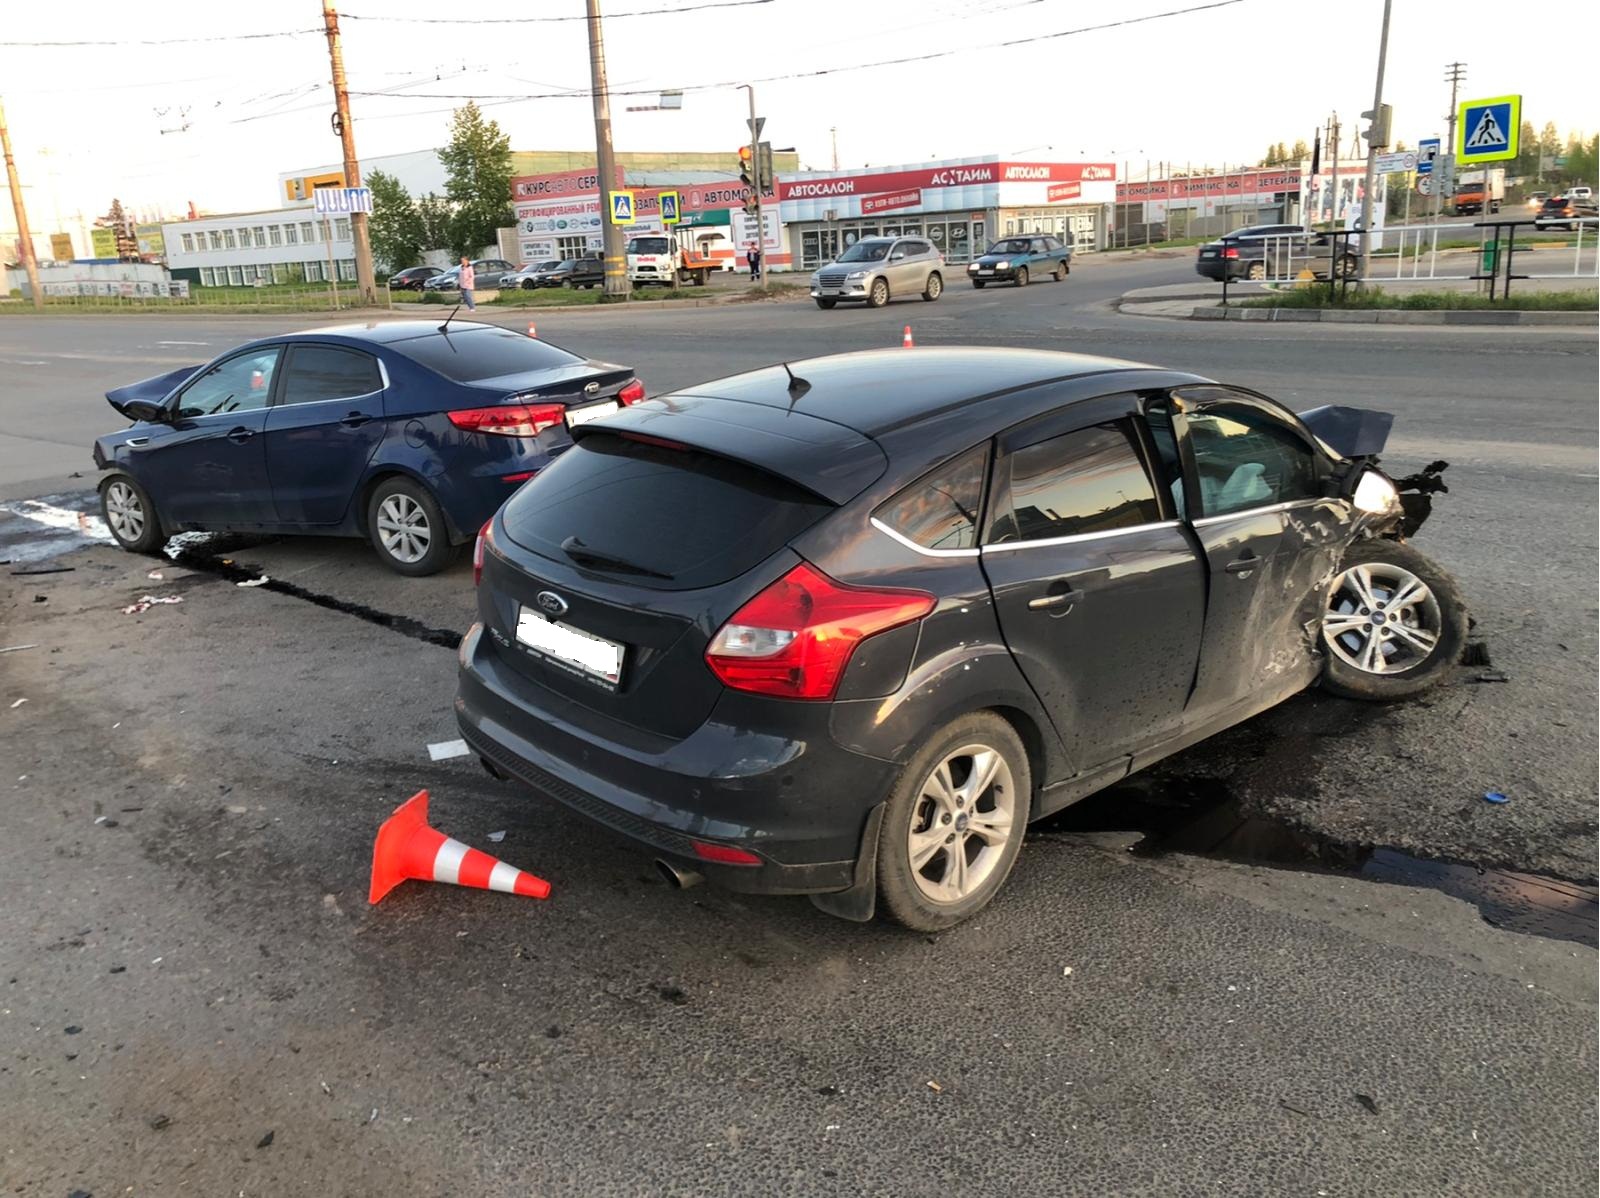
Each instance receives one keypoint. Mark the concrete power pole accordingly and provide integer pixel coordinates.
(29, 263)
(1372, 145)
(366, 284)
(616, 281)
(757, 183)
(1454, 74)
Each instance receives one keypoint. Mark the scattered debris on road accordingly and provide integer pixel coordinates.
(149, 601)
(159, 1122)
(17, 648)
(1494, 796)
(444, 750)
(936, 1087)
(266, 1140)
(1492, 676)
(254, 582)
(1366, 1101)
(42, 570)
(18, 704)
(497, 837)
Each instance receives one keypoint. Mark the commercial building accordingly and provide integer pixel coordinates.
(281, 245)
(1196, 205)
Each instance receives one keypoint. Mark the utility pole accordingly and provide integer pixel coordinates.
(1333, 184)
(29, 263)
(834, 131)
(615, 288)
(757, 182)
(1453, 75)
(1376, 133)
(365, 282)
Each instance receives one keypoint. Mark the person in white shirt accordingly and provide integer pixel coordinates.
(469, 280)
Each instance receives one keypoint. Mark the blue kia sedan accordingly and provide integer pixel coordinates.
(408, 433)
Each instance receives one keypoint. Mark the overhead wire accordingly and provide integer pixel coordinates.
(610, 16)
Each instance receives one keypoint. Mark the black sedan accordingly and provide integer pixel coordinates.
(814, 645)
(412, 278)
(575, 272)
(1277, 252)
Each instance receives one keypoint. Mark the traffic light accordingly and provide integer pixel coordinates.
(1378, 132)
(764, 166)
(749, 177)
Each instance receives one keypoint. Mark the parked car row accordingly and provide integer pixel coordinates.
(839, 627)
(877, 269)
(493, 274)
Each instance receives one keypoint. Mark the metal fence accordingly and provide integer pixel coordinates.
(287, 297)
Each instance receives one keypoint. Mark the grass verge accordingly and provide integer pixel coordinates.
(1323, 296)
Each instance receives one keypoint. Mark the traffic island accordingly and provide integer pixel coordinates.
(1372, 305)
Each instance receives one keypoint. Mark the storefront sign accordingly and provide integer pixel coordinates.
(1064, 191)
(971, 175)
(1230, 183)
(887, 203)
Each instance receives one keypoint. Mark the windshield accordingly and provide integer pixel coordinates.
(1011, 245)
(649, 245)
(867, 251)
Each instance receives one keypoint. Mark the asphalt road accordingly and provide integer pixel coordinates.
(199, 968)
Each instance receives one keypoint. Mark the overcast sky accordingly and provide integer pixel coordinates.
(215, 121)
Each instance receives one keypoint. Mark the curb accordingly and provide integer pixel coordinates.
(1398, 316)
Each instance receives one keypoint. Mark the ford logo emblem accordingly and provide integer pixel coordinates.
(591, 388)
(551, 602)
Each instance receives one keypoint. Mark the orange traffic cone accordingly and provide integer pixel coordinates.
(407, 848)
(906, 342)
(532, 332)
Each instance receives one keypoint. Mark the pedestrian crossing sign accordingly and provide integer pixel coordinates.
(621, 204)
(669, 208)
(1486, 130)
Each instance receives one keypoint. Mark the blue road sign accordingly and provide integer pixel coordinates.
(1427, 151)
(669, 207)
(621, 207)
(1487, 130)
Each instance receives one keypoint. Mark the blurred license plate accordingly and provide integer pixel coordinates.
(594, 657)
(577, 416)
(1208, 253)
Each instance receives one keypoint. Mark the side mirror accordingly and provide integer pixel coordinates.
(146, 410)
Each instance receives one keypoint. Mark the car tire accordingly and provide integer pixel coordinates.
(1256, 271)
(878, 293)
(977, 284)
(1433, 625)
(407, 528)
(126, 508)
(934, 287)
(909, 893)
(827, 305)
(1022, 276)
(529, 285)
(1059, 274)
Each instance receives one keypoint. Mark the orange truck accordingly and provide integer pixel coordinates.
(667, 259)
(1480, 190)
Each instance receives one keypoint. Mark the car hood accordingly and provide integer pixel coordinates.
(991, 259)
(151, 390)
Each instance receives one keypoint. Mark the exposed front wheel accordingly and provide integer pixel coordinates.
(953, 826)
(130, 515)
(879, 295)
(1022, 276)
(1393, 623)
(934, 288)
(407, 528)
(826, 304)
(977, 284)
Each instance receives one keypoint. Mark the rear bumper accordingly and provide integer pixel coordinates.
(800, 804)
(1218, 268)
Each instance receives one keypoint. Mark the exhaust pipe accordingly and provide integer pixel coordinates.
(677, 876)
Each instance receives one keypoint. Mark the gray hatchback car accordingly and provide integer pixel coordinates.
(877, 269)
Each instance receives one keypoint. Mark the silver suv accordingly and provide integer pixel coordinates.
(876, 269)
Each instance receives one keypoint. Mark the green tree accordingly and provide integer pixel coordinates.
(396, 229)
(1527, 163)
(434, 221)
(1583, 159)
(477, 165)
(1301, 151)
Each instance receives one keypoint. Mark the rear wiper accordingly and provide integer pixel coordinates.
(579, 552)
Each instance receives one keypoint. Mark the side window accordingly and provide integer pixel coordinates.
(1247, 458)
(1158, 419)
(940, 510)
(318, 372)
(240, 384)
(1087, 481)
(1038, 246)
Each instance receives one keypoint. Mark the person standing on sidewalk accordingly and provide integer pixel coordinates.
(469, 280)
(753, 255)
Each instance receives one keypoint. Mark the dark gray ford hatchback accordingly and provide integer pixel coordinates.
(844, 627)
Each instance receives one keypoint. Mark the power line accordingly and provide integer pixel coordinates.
(638, 12)
(171, 41)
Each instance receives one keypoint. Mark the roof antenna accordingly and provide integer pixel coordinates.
(445, 327)
(797, 386)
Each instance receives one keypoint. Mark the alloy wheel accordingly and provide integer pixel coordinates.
(1381, 619)
(125, 511)
(961, 822)
(403, 528)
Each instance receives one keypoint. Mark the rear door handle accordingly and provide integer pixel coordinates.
(355, 420)
(240, 435)
(1243, 565)
(1058, 600)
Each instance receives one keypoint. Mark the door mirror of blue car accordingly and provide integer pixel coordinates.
(146, 410)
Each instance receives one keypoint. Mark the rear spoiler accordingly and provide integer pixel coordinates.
(1350, 432)
(151, 390)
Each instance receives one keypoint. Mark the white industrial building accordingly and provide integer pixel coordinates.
(282, 245)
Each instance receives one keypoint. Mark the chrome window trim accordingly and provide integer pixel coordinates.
(1076, 538)
(916, 548)
(1259, 511)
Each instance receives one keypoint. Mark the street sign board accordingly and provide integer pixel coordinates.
(619, 204)
(756, 123)
(669, 208)
(338, 201)
(1427, 151)
(1487, 130)
(1404, 160)
(1444, 174)
(1425, 185)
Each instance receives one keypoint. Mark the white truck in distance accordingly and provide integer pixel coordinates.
(666, 259)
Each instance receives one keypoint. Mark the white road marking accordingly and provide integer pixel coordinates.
(183, 343)
(447, 749)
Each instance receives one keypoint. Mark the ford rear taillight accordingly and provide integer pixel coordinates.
(795, 638)
(631, 394)
(510, 420)
(479, 547)
(1231, 252)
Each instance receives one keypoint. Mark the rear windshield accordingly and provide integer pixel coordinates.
(473, 353)
(698, 520)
